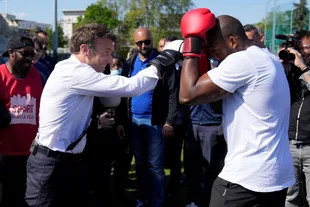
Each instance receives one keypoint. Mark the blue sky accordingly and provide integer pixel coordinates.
(247, 11)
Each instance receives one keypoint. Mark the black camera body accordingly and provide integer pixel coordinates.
(290, 41)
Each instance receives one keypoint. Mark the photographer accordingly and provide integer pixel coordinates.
(299, 130)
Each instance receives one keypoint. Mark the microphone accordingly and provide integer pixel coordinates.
(281, 36)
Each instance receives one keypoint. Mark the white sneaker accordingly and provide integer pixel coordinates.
(192, 204)
(139, 203)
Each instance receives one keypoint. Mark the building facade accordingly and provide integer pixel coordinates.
(9, 24)
(70, 17)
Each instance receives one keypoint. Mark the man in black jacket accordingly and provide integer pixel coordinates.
(150, 117)
(299, 128)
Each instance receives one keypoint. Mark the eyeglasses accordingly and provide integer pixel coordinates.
(26, 53)
(146, 42)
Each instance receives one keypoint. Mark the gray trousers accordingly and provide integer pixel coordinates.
(298, 195)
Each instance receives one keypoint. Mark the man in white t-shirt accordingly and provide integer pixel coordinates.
(256, 102)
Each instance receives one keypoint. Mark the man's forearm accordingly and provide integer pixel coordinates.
(189, 79)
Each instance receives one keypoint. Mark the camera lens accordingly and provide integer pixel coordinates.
(285, 55)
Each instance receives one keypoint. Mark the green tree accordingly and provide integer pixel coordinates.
(162, 17)
(62, 40)
(300, 15)
(98, 13)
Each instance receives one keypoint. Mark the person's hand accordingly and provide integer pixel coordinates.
(299, 61)
(194, 27)
(167, 130)
(105, 122)
(120, 132)
(165, 59)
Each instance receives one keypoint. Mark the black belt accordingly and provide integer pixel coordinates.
(51, 153)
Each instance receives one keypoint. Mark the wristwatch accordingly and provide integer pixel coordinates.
(305, 69)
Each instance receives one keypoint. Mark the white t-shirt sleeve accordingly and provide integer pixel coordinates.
(233, 73)
(85, 80)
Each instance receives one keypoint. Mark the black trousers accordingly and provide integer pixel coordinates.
(229, 194)
(173, 157)
(13, 181)
(54, 181)
(122, 166)
(103, 148)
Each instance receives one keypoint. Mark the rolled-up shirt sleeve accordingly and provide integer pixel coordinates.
(86, 81)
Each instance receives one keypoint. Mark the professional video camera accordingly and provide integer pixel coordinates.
(290, 41)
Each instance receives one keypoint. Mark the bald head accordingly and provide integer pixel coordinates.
(142, 32)
(143, 41)
(231, 26)
(227, 37)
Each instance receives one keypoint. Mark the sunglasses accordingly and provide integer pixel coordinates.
(146, 42)
(26, 53)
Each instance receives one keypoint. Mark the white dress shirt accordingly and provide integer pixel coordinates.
(67, 100)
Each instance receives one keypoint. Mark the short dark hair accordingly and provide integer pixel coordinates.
(302, 33)
(88, 34)
(225, 27)
(170, 38)
(119, 61)
(42, 31)
(250, 27)
(37, 39)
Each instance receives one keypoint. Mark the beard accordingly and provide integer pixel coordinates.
(22, 67)
(145, 52)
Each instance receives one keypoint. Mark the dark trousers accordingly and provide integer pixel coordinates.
(101, 150)
(122, 166)
(229, 194)
(173, 157)
(13, 181)
(205, 153)
(54, 181)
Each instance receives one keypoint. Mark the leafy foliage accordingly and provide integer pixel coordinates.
(162, 17)
(62, 40)
(300, 15)
(97, 13)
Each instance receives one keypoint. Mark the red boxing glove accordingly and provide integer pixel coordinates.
(194, 27)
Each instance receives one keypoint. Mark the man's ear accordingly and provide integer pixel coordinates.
(84, 49)
(262, 37)
(232, 42)
(11, 53)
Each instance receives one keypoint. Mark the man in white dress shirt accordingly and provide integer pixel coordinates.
(57, 176)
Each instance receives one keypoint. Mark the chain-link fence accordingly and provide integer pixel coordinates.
(283, 16)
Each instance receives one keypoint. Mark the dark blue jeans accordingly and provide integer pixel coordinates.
(148, 148)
